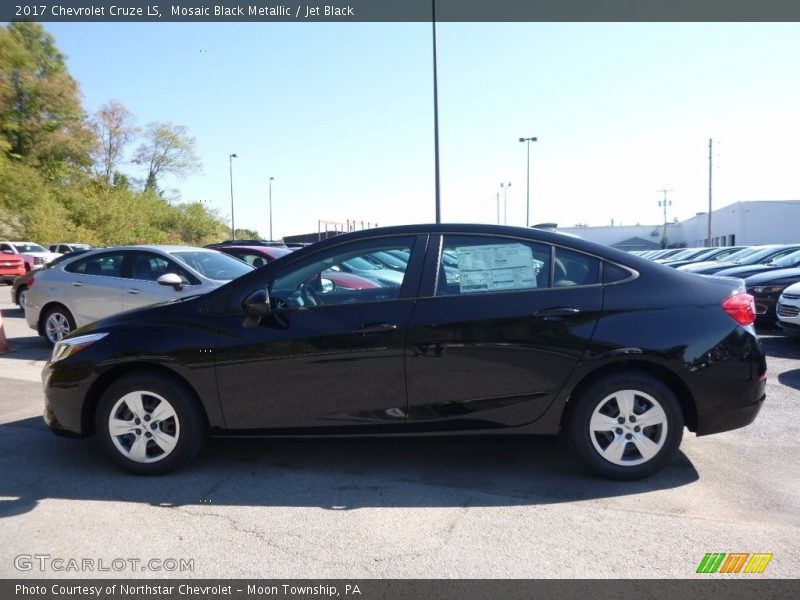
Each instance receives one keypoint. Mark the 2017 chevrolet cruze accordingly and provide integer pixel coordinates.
(527, 331)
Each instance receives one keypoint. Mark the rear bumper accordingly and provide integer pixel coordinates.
(719, 420)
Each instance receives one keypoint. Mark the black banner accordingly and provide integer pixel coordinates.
(746, 587)
(399, 10)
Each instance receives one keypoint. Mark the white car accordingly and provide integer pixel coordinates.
(788, 309)
(99, 283)
(32, 254)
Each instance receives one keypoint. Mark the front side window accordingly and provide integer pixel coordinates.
(345, 275)
(146, 266)
(104, 265)
(482, 264)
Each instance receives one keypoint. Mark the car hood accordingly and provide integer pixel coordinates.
(45, 255)
(150, 314)
(775, 276)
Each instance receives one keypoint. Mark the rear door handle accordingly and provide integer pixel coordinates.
(375, 328)
(134, 291)
(556, 314)
(77, 284)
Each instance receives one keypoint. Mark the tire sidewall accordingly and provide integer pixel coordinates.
(192, 425)
(50, 312)
(580, 436)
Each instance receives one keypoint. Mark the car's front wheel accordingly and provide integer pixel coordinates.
(626, 426)
(149, 424)
(57, 323)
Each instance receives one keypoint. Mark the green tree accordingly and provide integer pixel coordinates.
(41, 118)
(167, 149)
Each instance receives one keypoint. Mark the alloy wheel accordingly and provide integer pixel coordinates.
(57, 327)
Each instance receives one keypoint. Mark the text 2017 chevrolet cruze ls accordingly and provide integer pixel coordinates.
(527, 331)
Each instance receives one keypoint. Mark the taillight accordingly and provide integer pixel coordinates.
(741, 308)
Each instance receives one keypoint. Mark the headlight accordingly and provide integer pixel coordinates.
(769, 289)
(38, 260)
(66, 348)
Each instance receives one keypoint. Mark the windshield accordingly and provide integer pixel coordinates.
(214, 265)
(758, 257)
(21, 248)
(790, 260)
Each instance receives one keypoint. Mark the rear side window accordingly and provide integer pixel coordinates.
(484, 264)
(612, 273)
(575, 268)
(105, 265)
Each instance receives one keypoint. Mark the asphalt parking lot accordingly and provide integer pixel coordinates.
(398, 508)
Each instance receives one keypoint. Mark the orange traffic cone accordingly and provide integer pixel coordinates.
(4, 347)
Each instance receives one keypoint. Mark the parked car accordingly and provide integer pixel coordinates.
(21, 284)
(762, 256)
(788, 309)
(67, 247)
(99, 283)
(685, 253)
(32, 254)
(710, 255)
(766, 288)
(788, 261)
(11, 267)
(542, 333)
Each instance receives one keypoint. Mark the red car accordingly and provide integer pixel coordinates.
(11, 267)
(258, 256)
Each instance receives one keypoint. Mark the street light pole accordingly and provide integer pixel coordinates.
(270, 208)
(436, 117)
(505, 187)
(528, 194)
(233, 223)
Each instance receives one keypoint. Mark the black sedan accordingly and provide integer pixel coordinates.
(766, 288)
(528, 331)
(763, 256)
(789, 261)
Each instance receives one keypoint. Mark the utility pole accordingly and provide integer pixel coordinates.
(664, 203)
(498, 208)
(270, 208)
(436, 118)
(710, 144)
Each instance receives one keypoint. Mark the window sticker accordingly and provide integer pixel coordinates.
(495, 267)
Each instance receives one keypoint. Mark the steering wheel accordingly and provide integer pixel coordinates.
(309, 294)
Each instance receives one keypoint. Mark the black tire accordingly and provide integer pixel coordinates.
(601, 395)
(18, 297)
(52, 312)
(188, 429)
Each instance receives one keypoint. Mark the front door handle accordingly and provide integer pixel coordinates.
(556, 314)
(375, 328)
(77, 284)
(134, 291)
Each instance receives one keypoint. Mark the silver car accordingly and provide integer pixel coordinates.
(103, 282)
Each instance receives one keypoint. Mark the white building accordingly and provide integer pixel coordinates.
(742, 223)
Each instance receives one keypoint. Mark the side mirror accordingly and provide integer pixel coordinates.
(171, 279)
(256, 307)
(7, 252)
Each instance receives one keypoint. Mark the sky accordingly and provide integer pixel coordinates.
(341, 115)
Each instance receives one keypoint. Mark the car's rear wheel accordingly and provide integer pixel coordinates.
(57, 323)
(22, 291)
(149, 424)
(626, 426)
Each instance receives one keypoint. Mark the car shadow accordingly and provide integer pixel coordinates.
(329, 473)
(790, 378)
